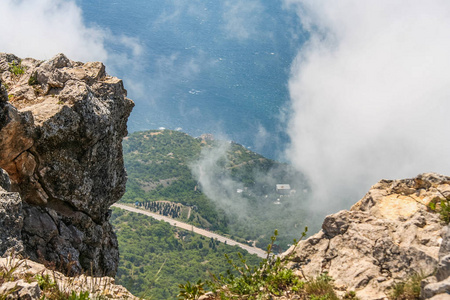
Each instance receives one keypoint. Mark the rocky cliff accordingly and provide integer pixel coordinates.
(385, 238)
(61, 129)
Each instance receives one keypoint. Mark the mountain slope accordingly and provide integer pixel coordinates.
(220, 185)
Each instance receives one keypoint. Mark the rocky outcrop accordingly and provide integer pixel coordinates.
(22, 283)
(386, 237)
(61, 129)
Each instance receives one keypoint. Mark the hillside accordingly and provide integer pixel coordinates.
(392, 244)
(218, 185)
(157, 257)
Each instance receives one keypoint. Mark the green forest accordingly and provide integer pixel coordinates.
(160, 166)
(156, 257)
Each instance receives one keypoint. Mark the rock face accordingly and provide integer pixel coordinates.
(61, 129)
(386, 237)
(11, 218)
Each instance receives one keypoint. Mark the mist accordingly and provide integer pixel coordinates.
(44, 28)
(215, 180)
(370, 95)
(41, 29)
(243, 186)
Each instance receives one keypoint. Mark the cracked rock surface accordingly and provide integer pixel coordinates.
(61, 128)
(384, 238)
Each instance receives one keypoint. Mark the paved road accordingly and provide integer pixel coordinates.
(252, 250)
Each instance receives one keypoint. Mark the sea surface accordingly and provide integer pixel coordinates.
(210, 66)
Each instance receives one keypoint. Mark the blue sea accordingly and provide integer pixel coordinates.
(209, 66)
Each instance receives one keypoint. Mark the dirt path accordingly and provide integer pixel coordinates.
(252, 250)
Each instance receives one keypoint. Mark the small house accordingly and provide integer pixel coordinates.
(283, 189)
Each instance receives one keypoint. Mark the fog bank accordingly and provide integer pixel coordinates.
(370, 95)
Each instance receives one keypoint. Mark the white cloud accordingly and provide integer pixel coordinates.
(43, 28)
(242, 18)
(370, 94)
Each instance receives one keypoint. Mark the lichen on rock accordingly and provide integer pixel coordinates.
(61, 131)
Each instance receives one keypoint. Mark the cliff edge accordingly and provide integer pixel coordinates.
(385, 238)
(61, 128)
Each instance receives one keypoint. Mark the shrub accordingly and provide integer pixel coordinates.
(33, 79)
(407, 290)
(191, 291)
(271, 277)
(442, 206)
(16, 69)
(321, 287)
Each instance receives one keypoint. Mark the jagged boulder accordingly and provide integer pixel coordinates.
(384, 238)
(61, 131)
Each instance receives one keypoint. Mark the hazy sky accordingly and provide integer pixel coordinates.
(370, 94)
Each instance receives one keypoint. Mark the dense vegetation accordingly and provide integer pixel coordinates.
(156, 257)
(163, 165)
(157, 164)
(271, 279)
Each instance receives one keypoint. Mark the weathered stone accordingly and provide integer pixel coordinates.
(432, 289)
(20, 290)
(11, 222)
(5, 182)
(443, 270)
(445, 246)
(61, 144)
(386, 237)
(97, 287)
(3, 92)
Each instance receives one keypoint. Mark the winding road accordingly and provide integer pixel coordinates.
(252, 250)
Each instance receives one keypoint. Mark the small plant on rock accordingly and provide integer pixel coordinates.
(191, 291)
(442, 206)
(407, 290)
(16, 68)
(9, 268)
(321, 287)
(33, 79)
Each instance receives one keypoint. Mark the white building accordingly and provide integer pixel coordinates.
(283, 189)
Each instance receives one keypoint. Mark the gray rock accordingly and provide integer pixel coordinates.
(20, 290)
(445, 246)
(386, 237)
(3, 92)
(11, 223)
(61, 144)
(432, 289)
(443, 269)
(5, 182)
